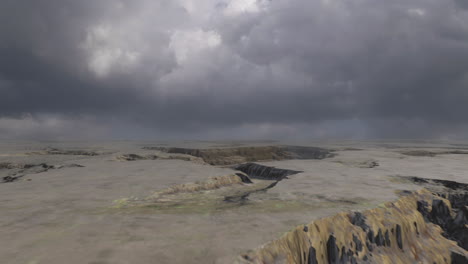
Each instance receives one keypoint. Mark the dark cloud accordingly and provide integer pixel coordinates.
(251, 68)
(462, 3)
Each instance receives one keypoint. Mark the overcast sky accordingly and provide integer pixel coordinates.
(233, 69)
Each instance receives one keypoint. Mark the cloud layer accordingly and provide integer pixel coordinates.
(238, 68)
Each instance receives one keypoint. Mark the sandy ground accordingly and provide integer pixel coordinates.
(67, 215)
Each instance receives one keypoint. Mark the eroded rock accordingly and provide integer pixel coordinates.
(449, 211)
(210, 184)
(389, 232)
(134, 157)
(15, 171)
(137, 157)
(364, 164)
(216, 192)
(429, 153)
(265, 172)
(55, 151)
(230, 156)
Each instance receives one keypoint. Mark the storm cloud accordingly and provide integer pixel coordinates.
(234, 68)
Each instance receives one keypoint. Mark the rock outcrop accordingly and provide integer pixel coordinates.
(421, 227)
(430, 153)
(55, 151)
(210, 184)
(452, 219)
(230, 156)
(271, 175)
(215, 192)
(15, 171)
(363, 164)
(135, 157)
(204, 196)
(265, 172)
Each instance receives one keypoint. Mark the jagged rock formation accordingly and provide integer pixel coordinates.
(427, 153)
(454, 219)
(414, 229)
(16, 171)
(229, 156)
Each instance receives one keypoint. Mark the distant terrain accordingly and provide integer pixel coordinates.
(233, 202)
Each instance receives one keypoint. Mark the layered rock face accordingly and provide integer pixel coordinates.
(421, 227)
(452, 219)
(229, 156)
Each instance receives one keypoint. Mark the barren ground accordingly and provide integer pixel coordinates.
(82, 214)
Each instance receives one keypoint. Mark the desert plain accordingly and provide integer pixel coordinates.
(222, 202)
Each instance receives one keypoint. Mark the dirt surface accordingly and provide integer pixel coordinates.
(79, 214)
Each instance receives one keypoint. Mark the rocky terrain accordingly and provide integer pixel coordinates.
(236, 155)
(210, 202)
(15, 171)
(421, 227)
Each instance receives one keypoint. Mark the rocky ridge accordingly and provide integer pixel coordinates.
(426, 226)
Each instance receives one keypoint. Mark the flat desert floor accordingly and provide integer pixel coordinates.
(75, 202)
